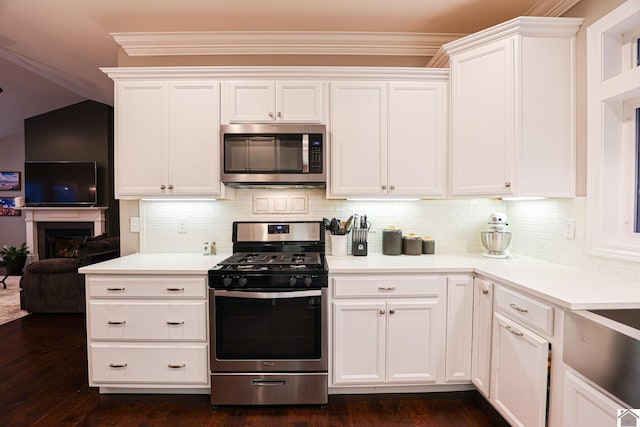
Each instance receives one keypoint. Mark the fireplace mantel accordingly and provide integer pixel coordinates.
(57, 214)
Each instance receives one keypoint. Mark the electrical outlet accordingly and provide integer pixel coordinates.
(134, 224)
(570, 229)
(182, 225)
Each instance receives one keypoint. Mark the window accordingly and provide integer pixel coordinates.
(613, 73)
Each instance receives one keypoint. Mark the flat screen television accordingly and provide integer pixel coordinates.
(60, 183)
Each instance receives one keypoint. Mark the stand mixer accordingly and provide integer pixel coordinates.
(496, 241)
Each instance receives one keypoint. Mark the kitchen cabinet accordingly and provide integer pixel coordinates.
(388, 330)
(166, 138)
(513, 109)
(268, 101)
(520, 357)
(459, 328)
(482, 333)
(147, 331)
(389, 138)
(585, 406)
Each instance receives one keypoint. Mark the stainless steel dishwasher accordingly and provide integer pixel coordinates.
(604, 346)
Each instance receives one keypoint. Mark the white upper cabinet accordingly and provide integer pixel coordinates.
(166, 138)
(389, 138)
(513, 109)
(268, 101)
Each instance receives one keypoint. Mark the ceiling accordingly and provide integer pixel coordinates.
(51, 51)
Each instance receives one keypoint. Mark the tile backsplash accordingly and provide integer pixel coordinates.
(455, 225)
(537, 225)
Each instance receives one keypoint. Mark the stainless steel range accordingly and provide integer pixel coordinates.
(268, 316)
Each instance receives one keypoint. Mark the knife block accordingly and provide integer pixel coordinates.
(359, 248)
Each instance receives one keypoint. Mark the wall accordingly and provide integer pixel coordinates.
(12, 228)
(79, 132)
(454, 224)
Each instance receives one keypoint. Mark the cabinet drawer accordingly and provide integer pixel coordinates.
(406, 286)
(140, 320)
(528, 310)
(147, 287)
(149, 364)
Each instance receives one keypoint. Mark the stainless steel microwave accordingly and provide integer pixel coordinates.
(268, 154)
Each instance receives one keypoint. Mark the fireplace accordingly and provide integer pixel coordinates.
(79, 222)
(62, 239)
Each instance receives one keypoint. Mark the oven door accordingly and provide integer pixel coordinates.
(280, 330)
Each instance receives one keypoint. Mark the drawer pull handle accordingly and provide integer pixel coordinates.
(116, 322)
(381, 311)
(386, 288)
(514, 331)
(169, 322)
(115, 289)
(520, 309)
(172, 366)
(262, 383)
(485, 292)
(118, 365)
(175, 289)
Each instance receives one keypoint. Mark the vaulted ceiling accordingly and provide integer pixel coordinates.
(51, 51)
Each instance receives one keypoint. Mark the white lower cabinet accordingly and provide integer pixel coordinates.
(147, 331)
(388, 330)
(585, 406)
(482, 327)
(459, 328)
(519, 373)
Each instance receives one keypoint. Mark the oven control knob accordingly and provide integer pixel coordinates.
(292, 281)
(226, 282)
(307, 281)
(242, 281)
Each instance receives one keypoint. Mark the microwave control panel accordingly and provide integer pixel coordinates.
(315, 153)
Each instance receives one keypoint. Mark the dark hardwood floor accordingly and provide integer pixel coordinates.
(43, 382)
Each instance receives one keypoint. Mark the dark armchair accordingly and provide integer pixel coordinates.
(54, 285)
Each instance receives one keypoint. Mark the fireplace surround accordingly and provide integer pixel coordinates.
(80, 222)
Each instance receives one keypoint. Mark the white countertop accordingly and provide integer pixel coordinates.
(567, 287)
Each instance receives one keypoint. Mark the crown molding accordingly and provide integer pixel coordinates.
(281, 43)
(551, 7)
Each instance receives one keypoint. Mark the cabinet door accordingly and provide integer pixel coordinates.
(459, 328)
(140, 139)
(248, 101)
(358, 139)
(414, 341)
(358, 342)
(519, 372)
(482, 327)
(584, 406)
(483, 131)
(299, 102)
(194, 121)
(418, 138)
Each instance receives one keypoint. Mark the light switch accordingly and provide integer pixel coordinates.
(182, 225)
(570, 229)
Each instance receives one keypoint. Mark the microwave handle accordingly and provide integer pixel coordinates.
(305, 153)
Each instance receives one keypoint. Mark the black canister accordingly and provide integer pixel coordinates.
(392, 241)
(411, 245)
(428, 245)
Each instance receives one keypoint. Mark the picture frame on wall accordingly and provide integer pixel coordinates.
(8, 207)
(10, 181)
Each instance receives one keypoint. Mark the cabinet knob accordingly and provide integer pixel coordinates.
(381, 311)
(271, 114)
(163, 187)
(392, 187)
(384, 187)
(485, 292)
(170, 186)
(507, 184)
(279, 114)
(392, 311)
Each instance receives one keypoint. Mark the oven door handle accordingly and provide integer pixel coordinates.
(267, 295)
